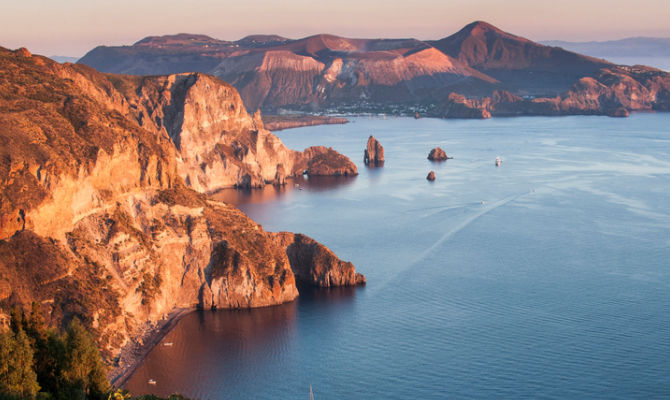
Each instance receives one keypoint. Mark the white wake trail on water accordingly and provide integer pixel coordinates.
(485, 209)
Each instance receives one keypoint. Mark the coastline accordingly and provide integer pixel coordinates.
(133, 355)
(281, 122)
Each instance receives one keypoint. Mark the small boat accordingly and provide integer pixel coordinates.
(311, 395)
(498, 161)
(152, 382)
(168, 344)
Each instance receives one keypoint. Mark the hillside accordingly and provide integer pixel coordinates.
(522, 66)
(103, 212)
(326, 73)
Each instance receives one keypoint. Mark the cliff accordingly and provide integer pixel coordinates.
(101, 215)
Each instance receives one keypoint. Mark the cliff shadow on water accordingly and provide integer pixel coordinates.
(271, 192)
(236, 337)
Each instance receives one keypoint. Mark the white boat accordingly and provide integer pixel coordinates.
(168, 344)
(498, 161)
(152, 382)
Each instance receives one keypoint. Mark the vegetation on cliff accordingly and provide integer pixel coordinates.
(41, 363)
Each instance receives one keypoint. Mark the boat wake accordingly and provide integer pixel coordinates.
(485, 208)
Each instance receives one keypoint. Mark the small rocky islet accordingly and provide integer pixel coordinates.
(373, 155)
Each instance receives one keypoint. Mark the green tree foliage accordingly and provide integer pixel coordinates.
(83, 370)
(37, 363)
(17, 376)
(16, 319)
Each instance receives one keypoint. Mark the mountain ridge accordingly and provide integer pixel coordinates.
(328, 73)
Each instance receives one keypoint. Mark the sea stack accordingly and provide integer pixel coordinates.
(437, 154)
(620, 112)
(374, 153)
(431, 176)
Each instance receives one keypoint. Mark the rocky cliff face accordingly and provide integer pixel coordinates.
(100, 218)
(219, 144)
(315, 265)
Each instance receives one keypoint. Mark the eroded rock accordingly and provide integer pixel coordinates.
(373, 155)
(437, 154)
(315, 265)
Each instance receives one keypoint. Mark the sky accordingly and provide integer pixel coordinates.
(73, 27)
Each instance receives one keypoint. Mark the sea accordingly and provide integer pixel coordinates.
(546, 277)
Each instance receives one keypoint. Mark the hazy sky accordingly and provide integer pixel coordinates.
(72, 27)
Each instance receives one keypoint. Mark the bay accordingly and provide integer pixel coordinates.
(545, 277)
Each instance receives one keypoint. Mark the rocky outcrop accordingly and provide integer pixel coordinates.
(437, 154)
(314, 264)
(99, 216)
(431, 176)
(373, 155)
(619, 113)
(321, 161)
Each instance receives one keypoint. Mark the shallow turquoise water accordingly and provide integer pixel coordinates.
(556, 286)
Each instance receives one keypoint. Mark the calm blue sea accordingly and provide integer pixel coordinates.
(548, 277)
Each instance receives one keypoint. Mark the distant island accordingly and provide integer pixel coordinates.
(628, 47)
(478, 72)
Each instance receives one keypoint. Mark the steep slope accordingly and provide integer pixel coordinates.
(219, 144)
(519, 64)
(97, 220)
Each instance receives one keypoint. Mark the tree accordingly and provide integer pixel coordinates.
(16, 319)
(17, 376)
(83, 372)
(34, 324)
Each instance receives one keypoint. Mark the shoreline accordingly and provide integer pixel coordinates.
(280, 122)
(132, 356)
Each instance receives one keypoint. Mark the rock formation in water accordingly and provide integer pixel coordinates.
(315, 265)
(437, 154)
(330, 73)
(101, 215)
(431, 176)
(373, 155)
